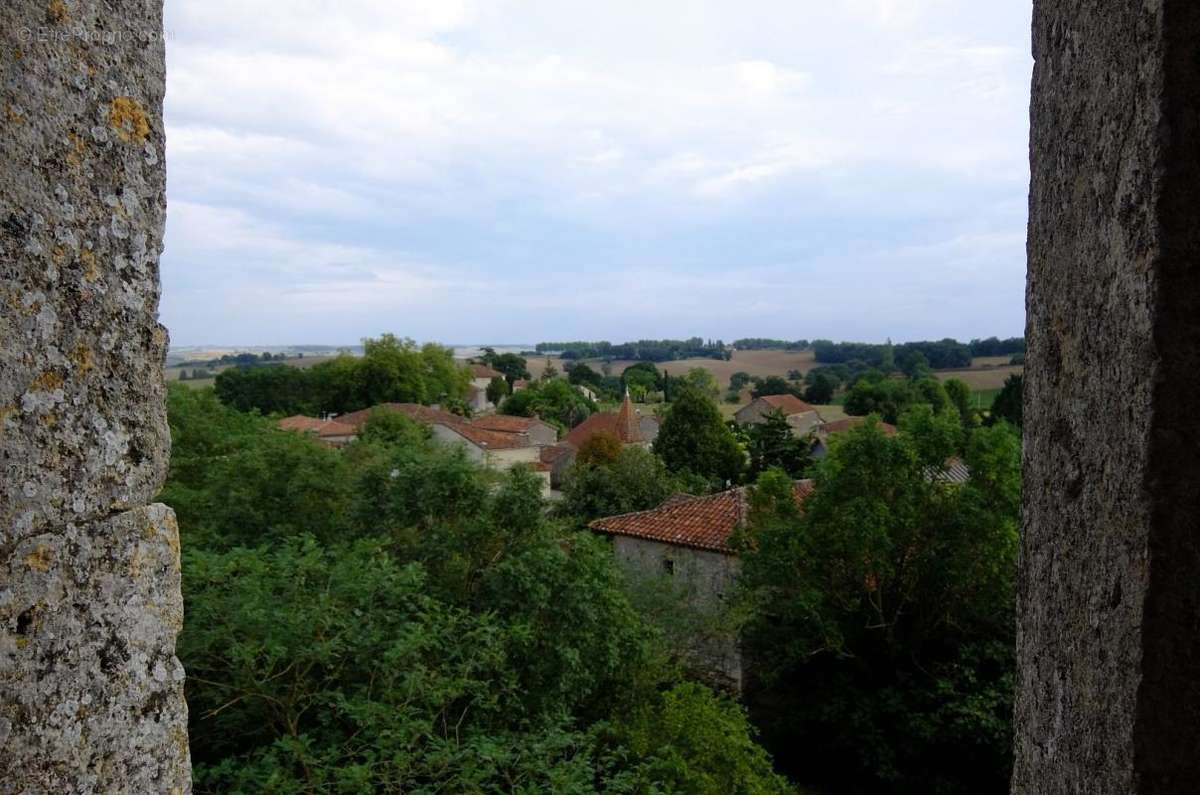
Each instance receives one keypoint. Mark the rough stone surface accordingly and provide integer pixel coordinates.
(1109, 617)
(87, 661)
(82, 207)
(91, 694)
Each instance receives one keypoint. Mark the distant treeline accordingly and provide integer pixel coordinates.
(641, 351)
(767, 344)
(939, 355)
(391, 370)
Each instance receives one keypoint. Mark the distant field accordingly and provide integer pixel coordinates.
(756, 363)
(172, 373)
(982, 379)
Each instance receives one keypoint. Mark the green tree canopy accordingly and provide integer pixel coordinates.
(694, 438)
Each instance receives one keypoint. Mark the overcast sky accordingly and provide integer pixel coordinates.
(525, 170)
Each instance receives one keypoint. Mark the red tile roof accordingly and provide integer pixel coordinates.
(506, 424)
(623, 424)
(695, 522)
(414, 411)
(491, 440)
(553, 452)
(788, 404)
(483, 371)
(841, 426)
(322, 428)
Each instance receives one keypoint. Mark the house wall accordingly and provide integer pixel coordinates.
(707, 577)
(802, 424)
(447, 436)
(506, 459)
(542, 435)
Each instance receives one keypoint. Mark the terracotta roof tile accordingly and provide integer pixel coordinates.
(788, 404)
(483, 371)
(414, 411)
(625, 424)
(491, 440)
(841, 426)
(506, 424)
(322, 428)
(696, 522)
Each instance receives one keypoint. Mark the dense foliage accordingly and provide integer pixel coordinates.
(389, 618)
(767, 344)
(556, 402)
(390, 370)
(642, 350)
(695, 440)
(883, 612)
(940, 355)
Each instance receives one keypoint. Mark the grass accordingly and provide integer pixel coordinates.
(984, 398)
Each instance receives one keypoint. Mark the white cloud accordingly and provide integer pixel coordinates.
(472, 136)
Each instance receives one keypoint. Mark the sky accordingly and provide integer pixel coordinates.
(518, 171)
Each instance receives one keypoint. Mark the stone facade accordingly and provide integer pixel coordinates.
(1109, 609)
(91, 694)
(706, 577)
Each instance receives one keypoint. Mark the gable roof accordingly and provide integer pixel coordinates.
(485, 439)
(483, 371)
(507, 424)
(788, 404)
(625, 424)
(322, 428)
(414, 411)
(695, 522)
(841, 426)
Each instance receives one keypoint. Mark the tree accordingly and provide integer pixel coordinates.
(640, 379)
(497, 390)
(555, 401)
(392, 618)
(703, 381)
(634, 480)
(820, 391)
(891, 595)
(739, 380)
(699, 743)
(600, 449)
(550, 372)
(774, 444)
(514, 367)
(1009, 404)
(959, 395)
(694, 438)
(774, 385)
(914, 364)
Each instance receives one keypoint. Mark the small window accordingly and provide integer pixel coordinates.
(668, 566)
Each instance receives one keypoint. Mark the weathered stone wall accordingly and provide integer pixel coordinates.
(1109, 617)
(704, 578)
(91, 694)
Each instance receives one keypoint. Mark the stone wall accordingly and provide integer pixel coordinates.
(1109, 615)
(704, 579)
(91, 694)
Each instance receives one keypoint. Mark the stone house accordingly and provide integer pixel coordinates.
(801, 416)
(540, 434)
(689, 539)
(481, 378)
(494, 449)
